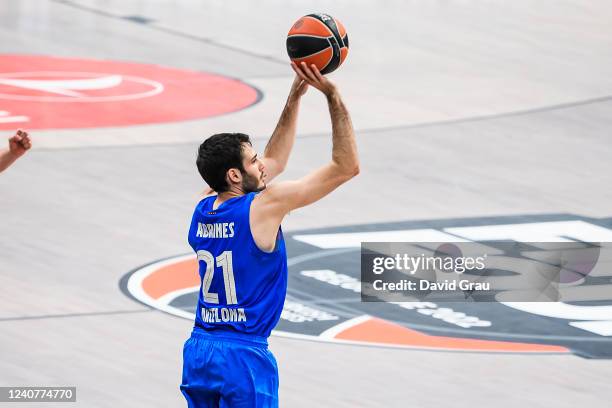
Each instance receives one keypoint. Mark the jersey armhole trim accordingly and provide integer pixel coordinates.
(252, 239)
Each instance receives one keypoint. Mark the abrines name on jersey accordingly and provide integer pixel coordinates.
(216, 230)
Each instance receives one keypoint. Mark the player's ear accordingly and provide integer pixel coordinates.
(234, 176)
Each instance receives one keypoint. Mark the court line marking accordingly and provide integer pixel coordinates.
(333, 331)
(57, 316)
(171, 31)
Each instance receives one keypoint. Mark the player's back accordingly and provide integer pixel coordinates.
(242, 287)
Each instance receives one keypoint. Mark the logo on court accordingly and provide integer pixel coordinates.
(52, 86)
(38, 92)
(323, 299)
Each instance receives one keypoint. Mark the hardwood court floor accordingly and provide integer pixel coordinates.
(462, 109)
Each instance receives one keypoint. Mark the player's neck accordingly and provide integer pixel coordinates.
(226, 195)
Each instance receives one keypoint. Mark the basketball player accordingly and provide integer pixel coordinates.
(236, 234)
(18, 145)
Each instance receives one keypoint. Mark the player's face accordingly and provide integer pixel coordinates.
(254, 171)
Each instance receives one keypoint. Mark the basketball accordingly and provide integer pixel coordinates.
(318, 39)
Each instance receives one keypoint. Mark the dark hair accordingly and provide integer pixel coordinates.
(217, 155)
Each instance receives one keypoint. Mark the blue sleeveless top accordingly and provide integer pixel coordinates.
(243, 288)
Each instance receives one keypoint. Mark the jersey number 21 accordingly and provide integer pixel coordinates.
(224, 261)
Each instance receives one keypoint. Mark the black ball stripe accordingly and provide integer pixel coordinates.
(301, 46)
(334, 63)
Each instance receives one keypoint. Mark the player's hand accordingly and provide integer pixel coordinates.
(20, 143)
(298, 88)
(312, 76)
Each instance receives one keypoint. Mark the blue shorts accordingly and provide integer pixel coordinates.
(228, 371)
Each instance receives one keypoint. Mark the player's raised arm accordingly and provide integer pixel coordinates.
(278, 149)
(278, 199)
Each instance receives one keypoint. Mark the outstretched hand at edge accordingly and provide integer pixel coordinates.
(20, 143)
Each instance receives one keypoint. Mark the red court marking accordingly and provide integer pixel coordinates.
(381, 331)
(41, 92)
(180, 275)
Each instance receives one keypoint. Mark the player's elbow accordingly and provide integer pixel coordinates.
(352, 171)
(346, 171)
(349, 173)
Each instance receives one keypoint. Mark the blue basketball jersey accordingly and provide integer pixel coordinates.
(242, 288)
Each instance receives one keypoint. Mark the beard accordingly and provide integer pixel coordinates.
(252, 184)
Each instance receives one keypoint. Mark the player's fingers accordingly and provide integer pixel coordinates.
(298, 71)
(15, 139)
(308, 73)
(317, 73)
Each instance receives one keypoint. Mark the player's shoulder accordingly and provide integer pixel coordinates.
(278, 198)
(276, 191)
(206, 194)
(203, 202)
(203, 198)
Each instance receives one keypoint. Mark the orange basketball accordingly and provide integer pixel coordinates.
(318, 39)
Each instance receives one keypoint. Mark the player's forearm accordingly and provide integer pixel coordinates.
(344, 150)
(6, 159)
(280, 144)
